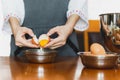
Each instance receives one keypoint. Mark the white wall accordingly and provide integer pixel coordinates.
(95, 7)
(4, 44)
(4, 38)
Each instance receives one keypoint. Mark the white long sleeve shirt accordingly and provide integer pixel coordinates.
(16, 9)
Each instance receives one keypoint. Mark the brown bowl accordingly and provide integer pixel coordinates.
(38, 56)
(110, 60)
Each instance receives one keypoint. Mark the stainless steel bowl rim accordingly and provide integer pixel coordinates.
(108, 14)
(37, 52)
(115, 54)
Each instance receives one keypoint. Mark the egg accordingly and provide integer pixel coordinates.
(97, 49)
(35, 40)
(43, 40)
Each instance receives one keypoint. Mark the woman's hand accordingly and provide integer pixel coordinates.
(19, 34)
(20, 40)
(63, 32)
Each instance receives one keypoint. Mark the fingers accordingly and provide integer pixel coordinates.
(60, 40)
(52, 42)
(25, 43)
(20, 39)
(52, 31)
(55, 43)
(28, 43)
(28, 31)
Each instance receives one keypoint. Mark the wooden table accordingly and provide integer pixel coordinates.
(64, 68)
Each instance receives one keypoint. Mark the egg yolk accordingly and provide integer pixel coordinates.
(43, 42)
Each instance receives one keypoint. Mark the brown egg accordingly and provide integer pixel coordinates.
(97, 49)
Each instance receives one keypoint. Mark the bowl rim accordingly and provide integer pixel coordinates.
(109, 13)
(99, 56)
(37, 52)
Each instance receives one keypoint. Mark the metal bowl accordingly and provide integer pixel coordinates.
(40, 56)
(99, 61)
(110, 31)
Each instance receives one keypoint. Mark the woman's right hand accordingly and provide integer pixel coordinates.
(19, 34)
(20, 40)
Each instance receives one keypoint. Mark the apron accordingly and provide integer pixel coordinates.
(41, 16)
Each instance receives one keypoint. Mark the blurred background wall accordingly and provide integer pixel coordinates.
(4, 38)
(97, 7)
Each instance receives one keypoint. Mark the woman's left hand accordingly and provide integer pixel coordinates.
(63, 32)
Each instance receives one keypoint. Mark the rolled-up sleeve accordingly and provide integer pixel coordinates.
(12, 8)
(79, 7)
